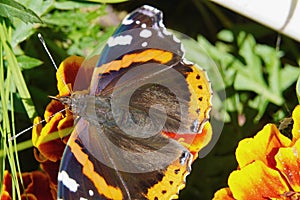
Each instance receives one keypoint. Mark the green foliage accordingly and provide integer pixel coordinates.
(26, 62)
(10, 9)
(253, 73)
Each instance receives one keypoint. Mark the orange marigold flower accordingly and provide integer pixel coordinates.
(224, 194)
(48, 139)
(269, 166)
(36, 186)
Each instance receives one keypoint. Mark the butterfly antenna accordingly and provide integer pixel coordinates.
(34, 125)
(52, 60)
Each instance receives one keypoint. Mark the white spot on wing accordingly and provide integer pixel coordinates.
(137, 21)
(185, 61)
(91, 192)
(144, 44)
(166, 32)
(150, 8)
(161, 24)
(176, 39)
(119, 40)
(145, 33)
(143, 25)
(182, 48)
(70, 183)
(127, 21)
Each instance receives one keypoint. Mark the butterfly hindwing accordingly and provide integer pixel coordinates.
(107, 175)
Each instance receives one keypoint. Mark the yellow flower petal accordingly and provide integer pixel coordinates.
(296, 126)
(288, 162)
(66, 74)
(257, 181)
(223, 194)
(262, 147)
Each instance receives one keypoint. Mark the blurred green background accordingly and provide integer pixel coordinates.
(258, 76)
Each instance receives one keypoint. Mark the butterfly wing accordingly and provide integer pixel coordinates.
(104, 174)
(143, 28)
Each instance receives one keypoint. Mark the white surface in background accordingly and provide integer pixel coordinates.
(276, 14)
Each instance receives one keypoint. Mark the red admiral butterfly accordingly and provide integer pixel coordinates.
(142, 120)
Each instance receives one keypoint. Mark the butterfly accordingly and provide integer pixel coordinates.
(139, 122)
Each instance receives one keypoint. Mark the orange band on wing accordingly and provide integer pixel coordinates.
(99, 182)
(194, 142)
(144, 56)
(127, 60)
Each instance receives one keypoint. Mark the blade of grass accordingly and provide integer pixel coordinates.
(7, 99)
(16, 71)
(9, 149)
(2, 102)
(21, 146)
(14, 146)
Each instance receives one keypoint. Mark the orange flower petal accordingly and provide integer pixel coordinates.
(76, 72)
(262, 147)
(66, 74)
(296, 126)
(52, 169)
(28, 197)
(36, 130)
(36, 186)
(288, 162)
(5, 195)
(7, 185)
(223, 194)
(65, 126)
(257, 181)
(48, 141)
(52, 108)
(39, 185)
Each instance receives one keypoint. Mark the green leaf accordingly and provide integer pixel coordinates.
(259, 103)
(23, 30)
(289, 74)
(222, 60)
(68, 18)
(11, 8)
(271, 59)
(26, 62)
(107, 1)
(70, 5)
(226, 36)
(250, 77)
